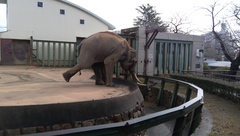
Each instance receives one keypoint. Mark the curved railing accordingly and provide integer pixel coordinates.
(216, 74)
(191, 106)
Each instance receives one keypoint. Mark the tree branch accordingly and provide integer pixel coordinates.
(222, 46)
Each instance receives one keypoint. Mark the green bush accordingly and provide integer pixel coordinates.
(206, 67)
(228, 90)
(222, 68)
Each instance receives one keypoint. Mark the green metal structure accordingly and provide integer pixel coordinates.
(54, 53)
(172, 56)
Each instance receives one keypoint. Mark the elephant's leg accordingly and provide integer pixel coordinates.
(82, 64)
(97, 71)
(109, 62)
(68, 74)
(103, 72)
(109, 74)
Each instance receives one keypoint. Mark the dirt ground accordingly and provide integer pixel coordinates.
(225, 115)
(29, 85)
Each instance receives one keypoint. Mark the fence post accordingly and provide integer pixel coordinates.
(174, 96)
(30, 55)
(117, 70)
(59, 54)
(188, 94)
(43, 58)
(179, 126)
(69, 54)
(48, 58)
(64, 55)
(159, 98)
(54, 54)
(75, 54)
(195, 119)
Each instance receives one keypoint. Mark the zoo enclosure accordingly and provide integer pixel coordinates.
(54, 53)
(191, 107)
(59, 53)
(172, 56)
(166, 56)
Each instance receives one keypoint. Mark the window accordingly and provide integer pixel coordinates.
(62, 11)
(40, 4)
(81, 21)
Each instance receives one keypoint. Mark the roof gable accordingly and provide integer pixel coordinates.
(110, 26)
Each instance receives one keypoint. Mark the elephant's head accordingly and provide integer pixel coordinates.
(129, 64)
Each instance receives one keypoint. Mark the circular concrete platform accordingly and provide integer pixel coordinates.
(39, 86)
(57, 92)
(31, 96)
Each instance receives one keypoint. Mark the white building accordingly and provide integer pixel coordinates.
(51, 20)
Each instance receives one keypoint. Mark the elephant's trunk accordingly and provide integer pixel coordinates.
(135, 78)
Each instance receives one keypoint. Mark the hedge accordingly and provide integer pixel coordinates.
(224, 89)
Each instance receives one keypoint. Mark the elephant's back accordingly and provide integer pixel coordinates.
(103, 42)
(103, 38)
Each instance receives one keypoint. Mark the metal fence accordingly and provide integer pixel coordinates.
(180, 113)
(218, 75)
(54, 53)
(172, 56)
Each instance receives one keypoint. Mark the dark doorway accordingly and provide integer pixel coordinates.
(15, 52)
(6, 51)
(21, 51)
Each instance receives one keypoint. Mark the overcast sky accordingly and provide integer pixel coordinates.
(121, 13)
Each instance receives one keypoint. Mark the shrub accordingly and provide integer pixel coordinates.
(228, 90)
(206, 67)
(222, 68)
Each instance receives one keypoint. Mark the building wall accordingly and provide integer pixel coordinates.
(26, 19)
(197, 43)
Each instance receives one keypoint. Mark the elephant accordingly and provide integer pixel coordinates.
(100, 73)
(102, 51)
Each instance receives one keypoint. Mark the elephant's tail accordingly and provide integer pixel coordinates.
(80, 72)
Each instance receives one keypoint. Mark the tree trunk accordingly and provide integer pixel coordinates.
(235, 65)
(234, 62)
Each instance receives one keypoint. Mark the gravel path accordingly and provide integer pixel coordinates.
(225, 115)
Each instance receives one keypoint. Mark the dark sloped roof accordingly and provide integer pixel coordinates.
(110, 26)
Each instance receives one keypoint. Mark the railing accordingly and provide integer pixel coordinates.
(179, 113)
(217, 75)
(54, 53)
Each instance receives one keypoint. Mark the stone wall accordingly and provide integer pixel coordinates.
(151, 95)
(135, 112)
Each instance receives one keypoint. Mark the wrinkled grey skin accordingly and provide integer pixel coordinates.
(102, 51)
(100, 73)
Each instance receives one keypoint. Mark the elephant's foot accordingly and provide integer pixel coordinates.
(110, 84)
(99, 83)
(66, 76)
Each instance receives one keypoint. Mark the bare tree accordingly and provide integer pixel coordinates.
(235, 61)
(177, 22)
(236, 13)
